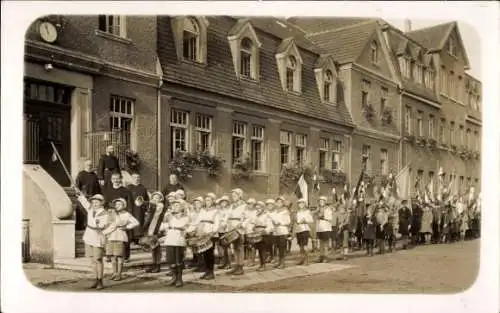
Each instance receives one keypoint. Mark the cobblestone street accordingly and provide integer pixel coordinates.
(446, 268)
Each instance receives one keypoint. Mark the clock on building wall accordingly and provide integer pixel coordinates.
(48, 31)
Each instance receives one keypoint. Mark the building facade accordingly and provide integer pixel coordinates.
(252, 88)
(268, 96)
(89, 81)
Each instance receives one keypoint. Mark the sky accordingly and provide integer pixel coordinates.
(469, 36)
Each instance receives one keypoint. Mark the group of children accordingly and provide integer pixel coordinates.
(235, 227)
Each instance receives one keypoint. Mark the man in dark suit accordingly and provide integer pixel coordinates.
(416, 223)
(172, 186)
(139, 207)
(404, 215)
(108, 164)
(86, 181)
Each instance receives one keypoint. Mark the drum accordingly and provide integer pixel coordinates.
(229, 237)
(200, 244)
(254, 238)
(148, 243)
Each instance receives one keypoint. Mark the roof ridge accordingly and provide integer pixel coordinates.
(340, 28)
(429, 27)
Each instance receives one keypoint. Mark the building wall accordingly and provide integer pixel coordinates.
(80, 33)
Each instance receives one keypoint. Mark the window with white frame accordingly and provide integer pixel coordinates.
(451, 85)
(374, 52)
(367, 154)
(461, 133)
(285, 146)
(328, 86)
(203, 128)
(365, 93)
(429, 78)
(442, 131)
(300, 149)
(191, 39)
(408, 120)
(113, 24)
(121, 116)
(337, 155)
(420, 124)
(257, 146)
(405, 66)
(477, 141)
(383, 99)
(444, 80)
(468, 139)
(246, 58)
(452, 47)
(179, 129)
(291, 74)
(431, 127)
(238, 142)
(324, 147)
(452, 133)
(384, 162)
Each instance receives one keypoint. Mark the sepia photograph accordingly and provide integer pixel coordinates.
(230, 153)
(271, 154)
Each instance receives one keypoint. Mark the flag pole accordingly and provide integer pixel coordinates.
(64, 167)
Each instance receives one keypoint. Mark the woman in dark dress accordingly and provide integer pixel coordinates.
(138, 192)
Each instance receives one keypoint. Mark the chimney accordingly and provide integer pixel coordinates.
(407, 26)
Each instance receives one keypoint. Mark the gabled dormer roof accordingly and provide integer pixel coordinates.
(435, 37)
(289, 47)
(325, 61)
(241, 27)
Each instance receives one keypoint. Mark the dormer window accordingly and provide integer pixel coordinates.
(245, 45)
(190, 38)
(374, 52)
(289, 66)
(328, 86)
(291, 69)
(430, 76)
(246, 58)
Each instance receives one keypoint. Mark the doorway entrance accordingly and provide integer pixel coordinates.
(47, 112)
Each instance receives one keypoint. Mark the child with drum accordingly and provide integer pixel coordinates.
(281, 220)
(205, 228)
(116, 235)
(193, 212)
(175, 226)
(223, 251)
(269, 237)
(250, 214)
(303, 218)
(262, 227)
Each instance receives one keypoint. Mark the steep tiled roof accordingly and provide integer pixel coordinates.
(399, 42)
(345, 44)
(432, 37)
(320, 24)
(218, 75)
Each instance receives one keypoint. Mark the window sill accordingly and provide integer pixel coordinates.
(116, 38)
(328, 102)
(247, 79)
(293, 92)
(193, 63)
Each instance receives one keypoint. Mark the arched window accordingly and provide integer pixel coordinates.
(291, 69)
(374, 52)
(191, 39)
(246, 56)
(328, 86)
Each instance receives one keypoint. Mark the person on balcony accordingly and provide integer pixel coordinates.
(108, 164)
(141, 199)
(173, 185)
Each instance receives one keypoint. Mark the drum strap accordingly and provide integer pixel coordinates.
(234, 219)
(207, 221)
(260, 226)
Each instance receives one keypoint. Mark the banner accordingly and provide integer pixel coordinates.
(301, 189)
(402, 181)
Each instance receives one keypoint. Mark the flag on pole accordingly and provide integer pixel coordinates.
(301, 189)
(402, 183)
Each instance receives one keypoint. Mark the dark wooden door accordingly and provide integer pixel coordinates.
(54, 125)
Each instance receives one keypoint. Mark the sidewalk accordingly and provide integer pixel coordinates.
(41, 275)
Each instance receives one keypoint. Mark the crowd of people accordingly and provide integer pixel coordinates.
(231, 231)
